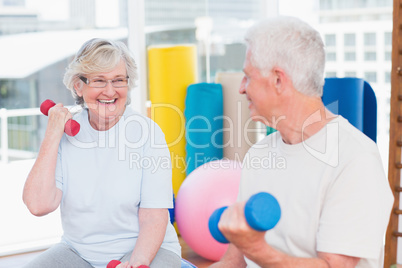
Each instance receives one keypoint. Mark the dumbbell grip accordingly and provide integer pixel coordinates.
(262, 213)
(71, 127)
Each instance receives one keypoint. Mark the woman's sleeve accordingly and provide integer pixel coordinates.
(156, 186)
(59, 169)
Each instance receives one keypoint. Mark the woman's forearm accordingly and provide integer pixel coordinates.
(153, 223)
(40, 193)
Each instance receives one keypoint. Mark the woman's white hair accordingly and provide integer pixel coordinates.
(292, 45)
(98, 56)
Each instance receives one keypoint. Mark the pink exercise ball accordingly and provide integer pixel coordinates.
(207, 188)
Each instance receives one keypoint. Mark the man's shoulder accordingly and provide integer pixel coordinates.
(354, 138)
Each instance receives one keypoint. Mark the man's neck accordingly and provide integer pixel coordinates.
(304, 117)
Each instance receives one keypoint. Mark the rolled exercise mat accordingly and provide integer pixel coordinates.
(239, 131)
(204, 123)
(171, 70)
(354, 99)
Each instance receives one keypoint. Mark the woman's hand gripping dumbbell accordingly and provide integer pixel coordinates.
(114, 263)
(71, 127)
(262, 213)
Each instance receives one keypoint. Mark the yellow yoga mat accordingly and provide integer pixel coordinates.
(171, 70)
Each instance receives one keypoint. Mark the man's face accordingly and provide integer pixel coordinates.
(259, 91)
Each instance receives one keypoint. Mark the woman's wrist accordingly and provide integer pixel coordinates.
(137, 261)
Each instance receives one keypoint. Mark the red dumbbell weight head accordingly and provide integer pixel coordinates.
(71, 127)
(114, 263)
(45, 106)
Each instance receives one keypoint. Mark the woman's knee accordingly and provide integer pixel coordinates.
(166, 258)
(163, 259)
(59, 255)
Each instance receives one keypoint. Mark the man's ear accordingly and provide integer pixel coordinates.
(281, 79)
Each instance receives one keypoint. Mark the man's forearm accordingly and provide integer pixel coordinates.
(267, 257)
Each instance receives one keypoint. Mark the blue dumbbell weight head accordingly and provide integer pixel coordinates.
(213, 225)
(262, 213)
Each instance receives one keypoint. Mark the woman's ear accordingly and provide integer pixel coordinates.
(78, 85)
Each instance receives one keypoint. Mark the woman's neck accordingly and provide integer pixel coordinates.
(102, 123)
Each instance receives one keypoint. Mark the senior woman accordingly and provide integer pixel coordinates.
(112, 180)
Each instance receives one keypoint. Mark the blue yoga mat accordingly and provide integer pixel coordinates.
(204, 124)
(354, 99)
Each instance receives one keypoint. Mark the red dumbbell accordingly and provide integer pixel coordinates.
(114, 263)
(71, 127)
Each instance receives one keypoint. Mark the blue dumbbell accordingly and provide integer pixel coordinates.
(262, 212)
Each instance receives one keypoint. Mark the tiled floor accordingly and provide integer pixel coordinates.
(191, 256)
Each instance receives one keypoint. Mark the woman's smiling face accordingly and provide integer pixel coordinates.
(107, 104)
